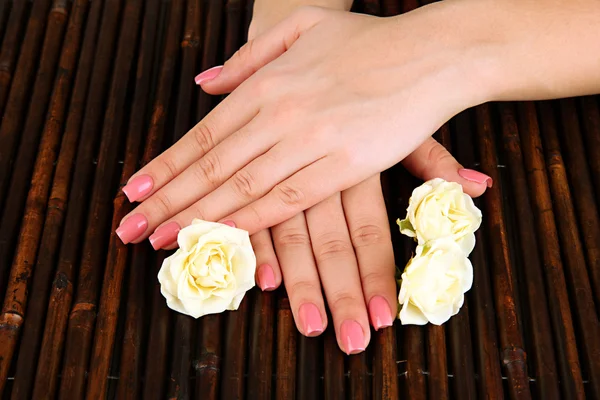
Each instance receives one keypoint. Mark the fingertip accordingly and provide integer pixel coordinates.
(266, 278)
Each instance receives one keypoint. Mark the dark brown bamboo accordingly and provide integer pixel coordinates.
(286, 339)
(5, 6)
(558, 301)
(180, 387)
(61, 292)
(30, 135)
(539, 325)
(210, 49)
(158, 342)
(31, 230)
(371, 7)
(590, 118)
(248, 18)
(484, 323)
(232, 378)
(391, 7)
(18, 96)
(334, 374)
(131, 356)
(110, 297)
(208, 364)
(586, 316)
(10, 47)
(511, 340)
(385, 369)
(307, 370)
(260, 345)
(581, 184)
(413, 341)
(461, 354)
(359, 381)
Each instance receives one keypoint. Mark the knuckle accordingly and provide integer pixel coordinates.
(196, 212)
(334, 248)
(204, 138)
(290, 196)
(368, 235)
(376, 279)
(208, 169)
(167, 165)
(244, 184)
(293, 238)
(162, 203)
(344, 299)
(302, 287)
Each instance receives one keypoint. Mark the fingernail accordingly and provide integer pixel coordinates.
(266, 277)
(475, 176)
(229, 223)
(353, 337)
(208, 75)
(132, 228)
(379, 311)
(310, 318)
(164, 236)
(138, 187)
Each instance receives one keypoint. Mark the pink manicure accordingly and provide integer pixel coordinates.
(476, 176)
(266, 277)
(379, 311)
(310, 318)
(208, 75)
(353, 337)
(165, 235)
(138, 187)
(132, 228)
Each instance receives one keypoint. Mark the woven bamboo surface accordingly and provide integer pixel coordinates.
(89, 91)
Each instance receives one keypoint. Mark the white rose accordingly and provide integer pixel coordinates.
(210, 272)
(440, 209)
(434, 283)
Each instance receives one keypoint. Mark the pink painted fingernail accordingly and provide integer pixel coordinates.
(165, 235)
(379, 311)
(475, 176)
(132, 228)
(138, 187)
(310, 319)
(229, 223)
(208, 75)
(353, 337)
(266, 277)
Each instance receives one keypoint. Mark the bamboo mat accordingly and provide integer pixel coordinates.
(89, 91)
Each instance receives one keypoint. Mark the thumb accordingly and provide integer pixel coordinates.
(432, 160)
(260, 51)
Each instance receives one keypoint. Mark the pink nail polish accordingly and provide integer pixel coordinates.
(310, 319)
(165, 235)
(379, 311)
(208, 75)
(353, 337)
(229, 223)
(138, 187)
(476, 176)
(132, 228)
(266, 277)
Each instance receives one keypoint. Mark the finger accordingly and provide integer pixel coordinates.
(369, 228)
(339, 274)
(300, 275)
(259, 52)
(302, 190)
(268, 274)
(432, 160)
(231, 115)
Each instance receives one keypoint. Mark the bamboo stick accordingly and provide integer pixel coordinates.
(513, 354)
(19, 94)
(31, 230)
(10, 47)
(334, 375)
(61, 292)
(590, 118)
(285, 381)
(581, 183)
(5, 7)
(208, 364)
(539, 326)
(541, 202)
(130, 367)
(385, 369)
(110, 296)
(260, 343)
(586, 316)
(391, 7)
(307, 378)
(179, 383)
(359, 382)
(210, 49)
(232, 378)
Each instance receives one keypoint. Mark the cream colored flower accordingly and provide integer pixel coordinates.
(434, 283)
(440, 209)
(211, 272)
